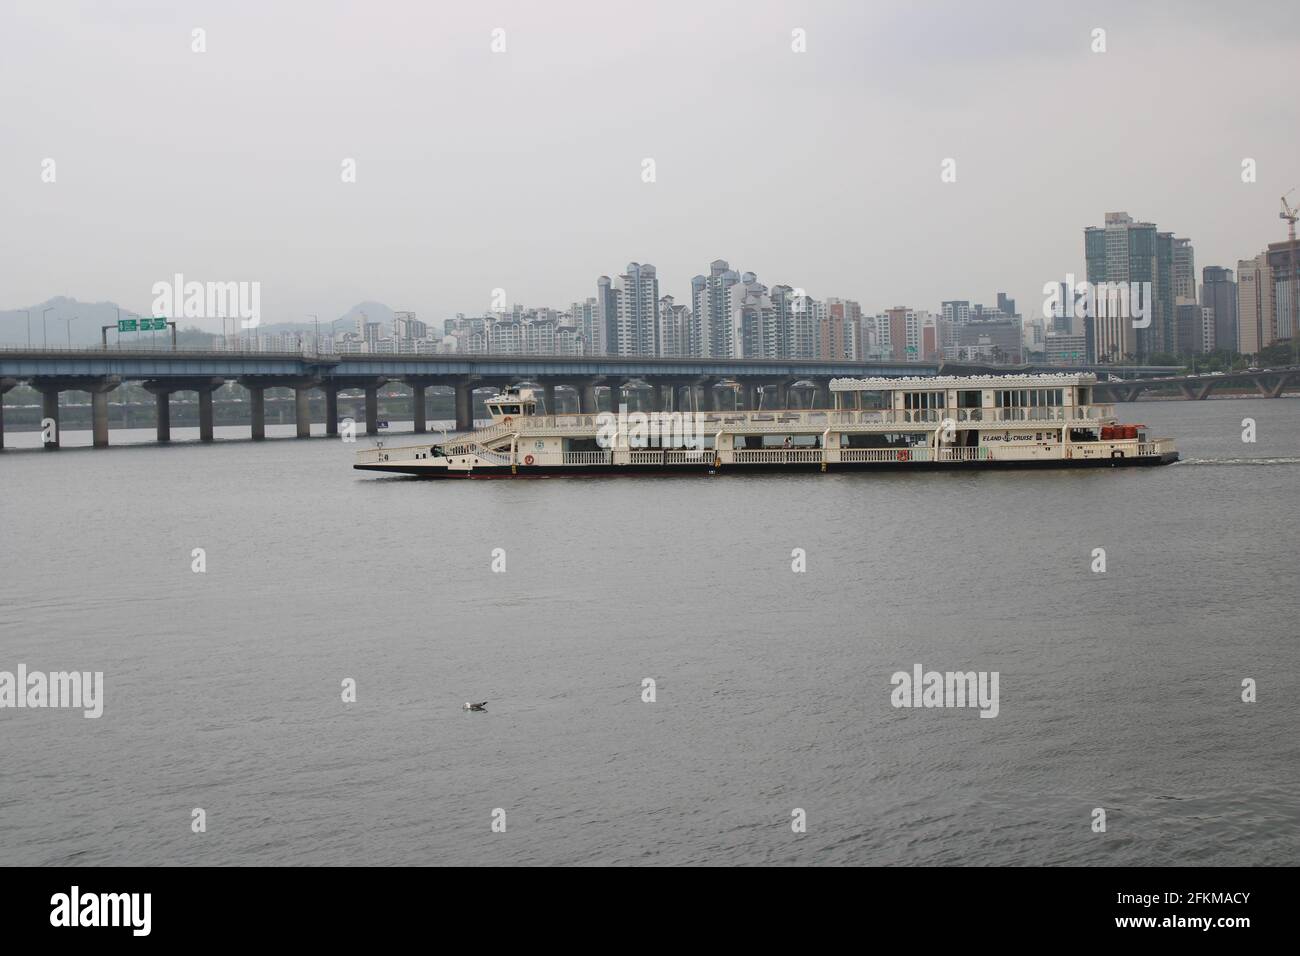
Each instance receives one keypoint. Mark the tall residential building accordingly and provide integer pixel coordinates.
(837, 330)
(711, 335)
(1219, 293)
(674, 329)
(754, 330)
(407, 327)
(804, 316)
(1284, 264)
(783, 306)
(607, 318)
(1256, 318)
(912, 335)
(1127, 251)
(956, 311)
(1194, 327)
(1061, 318)
(637, 295)
(586, 323)
(1184, 270)
(995, 339)
(1006, 305)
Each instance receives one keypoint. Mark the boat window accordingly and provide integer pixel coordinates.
(919, 400)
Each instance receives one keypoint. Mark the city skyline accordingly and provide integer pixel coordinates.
(531, 162)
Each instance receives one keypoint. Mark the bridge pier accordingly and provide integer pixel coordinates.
(1271, 391)
(548, 398)
(331, 408)
(615, 386)
(5, 385)
(587, 397)
(162, 402)
(206, 421)
(97, 386)
(750, 392)
(372, 409)
(705, 387)
(464, 406)
(823, 393)
(99, 418)
(417, 409)
(302, 410)
(50, 413)
(257, 411)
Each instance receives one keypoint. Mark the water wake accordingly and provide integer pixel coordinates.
(1278, 460)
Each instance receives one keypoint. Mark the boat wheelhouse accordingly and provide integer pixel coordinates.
(990, 421)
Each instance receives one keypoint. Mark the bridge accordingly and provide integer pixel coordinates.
(1269, 382)
(672, 384)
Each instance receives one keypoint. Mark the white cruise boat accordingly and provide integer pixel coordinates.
(945, 422)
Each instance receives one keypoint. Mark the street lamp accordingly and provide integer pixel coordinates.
(70, 321)
(44, 337)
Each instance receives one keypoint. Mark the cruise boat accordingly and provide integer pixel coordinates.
(944, 422)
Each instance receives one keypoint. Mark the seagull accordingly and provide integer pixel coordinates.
(479, 706)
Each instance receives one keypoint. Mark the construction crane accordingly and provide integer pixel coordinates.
(1289, 214)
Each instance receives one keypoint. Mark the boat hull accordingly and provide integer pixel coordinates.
(420, 470)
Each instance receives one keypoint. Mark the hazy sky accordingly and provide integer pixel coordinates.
(523, 169)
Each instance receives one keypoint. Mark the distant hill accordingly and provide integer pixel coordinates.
(90, 316)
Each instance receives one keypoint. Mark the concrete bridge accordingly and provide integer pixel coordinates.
(1270, 383)
(673, 384)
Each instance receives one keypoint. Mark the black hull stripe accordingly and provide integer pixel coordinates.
(577, 471)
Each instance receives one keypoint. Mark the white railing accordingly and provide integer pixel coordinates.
(1158, 446)
(776, 456)
(586, 458)
(689, 456)
(884, 454)
(973, 453)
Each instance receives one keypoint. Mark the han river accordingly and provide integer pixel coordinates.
(222, 690)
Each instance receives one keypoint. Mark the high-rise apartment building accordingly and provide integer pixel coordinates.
(1126, 251)
(1256, 318)
(1219, 293)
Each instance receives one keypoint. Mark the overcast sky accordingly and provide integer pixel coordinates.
(523, 169)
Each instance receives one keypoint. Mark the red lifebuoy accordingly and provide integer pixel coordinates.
(528, 459)
(903, 455)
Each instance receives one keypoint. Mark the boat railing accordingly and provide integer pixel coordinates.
(1158, 446)
(782, 421)
(586, 457)
(776, 455)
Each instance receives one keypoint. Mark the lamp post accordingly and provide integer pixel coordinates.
(70, 321)
(44, 336)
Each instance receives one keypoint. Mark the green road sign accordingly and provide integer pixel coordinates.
(126, 325)
(153, 325)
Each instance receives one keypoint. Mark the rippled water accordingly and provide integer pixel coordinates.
(1119, 690)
